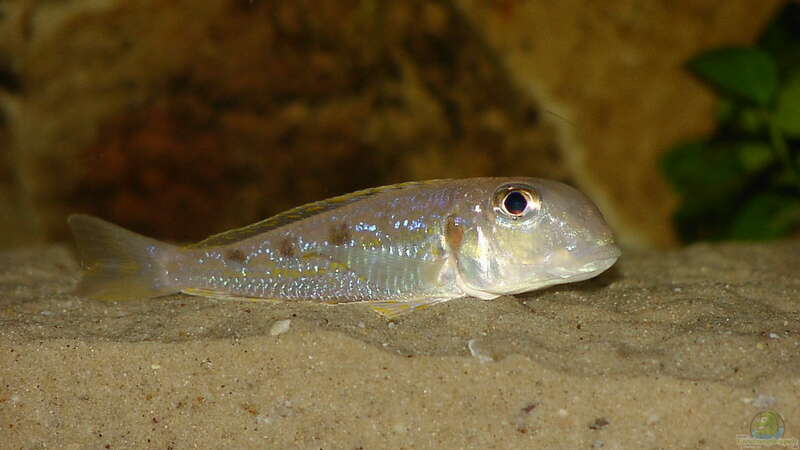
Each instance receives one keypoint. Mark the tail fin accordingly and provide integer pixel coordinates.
(119, 264)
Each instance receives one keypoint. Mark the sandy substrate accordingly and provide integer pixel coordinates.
(667, 350)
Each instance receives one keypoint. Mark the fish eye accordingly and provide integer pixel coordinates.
(516, 202)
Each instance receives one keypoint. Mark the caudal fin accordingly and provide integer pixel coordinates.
(119, 264)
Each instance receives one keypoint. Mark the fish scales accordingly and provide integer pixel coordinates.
(398, 248)
(359, 252)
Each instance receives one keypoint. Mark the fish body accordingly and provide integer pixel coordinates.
(398, 248)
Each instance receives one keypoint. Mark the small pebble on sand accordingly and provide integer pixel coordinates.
(483, 357)
(280, 327)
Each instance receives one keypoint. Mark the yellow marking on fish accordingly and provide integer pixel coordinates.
(221, 295)
(391, 309)
(335, 265)
(372, 243)
(288, 273)
(231, 273)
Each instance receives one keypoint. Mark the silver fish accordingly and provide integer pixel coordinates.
(398, 248)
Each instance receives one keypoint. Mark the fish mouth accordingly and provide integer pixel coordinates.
(601, 253)
(588, 270)
(582, 267)
(601, 264)
(601, 258)
(598, 260)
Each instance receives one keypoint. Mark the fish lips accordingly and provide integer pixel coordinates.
(597, 262)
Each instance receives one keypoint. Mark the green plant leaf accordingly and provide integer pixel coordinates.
(781, 38)
(755, 156)
(787, 113)
(752, 120)
(767, 215)
(709, 177)
(749, 73)
(786, 178)
(683, 165)
(726, 110)
(699, 169)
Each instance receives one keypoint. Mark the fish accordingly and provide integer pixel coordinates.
(396, 248)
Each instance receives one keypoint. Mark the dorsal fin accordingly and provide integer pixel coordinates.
(300, 213)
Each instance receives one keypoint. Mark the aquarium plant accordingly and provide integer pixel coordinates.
(743, 181)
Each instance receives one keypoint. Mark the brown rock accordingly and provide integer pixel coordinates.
(180, 119)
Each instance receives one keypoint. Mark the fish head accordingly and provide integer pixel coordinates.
(529, 233)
